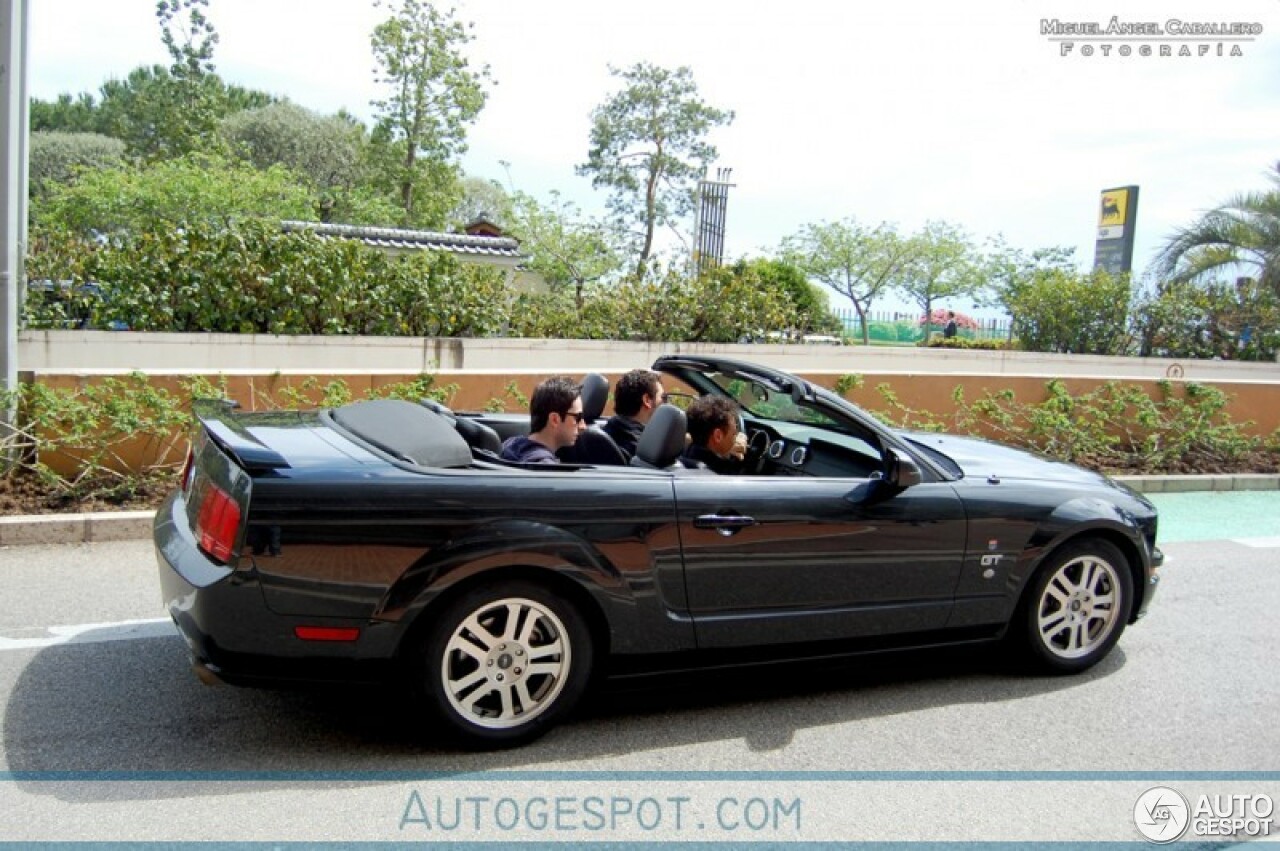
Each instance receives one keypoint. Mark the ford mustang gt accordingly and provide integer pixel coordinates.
(386, 539)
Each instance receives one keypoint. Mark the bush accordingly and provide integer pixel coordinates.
(252, 277)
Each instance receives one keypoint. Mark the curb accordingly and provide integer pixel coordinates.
(1194, 484)
(26, 530)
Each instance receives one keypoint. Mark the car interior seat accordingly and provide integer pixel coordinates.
(593, 446)
(476, 434)
(663, 439)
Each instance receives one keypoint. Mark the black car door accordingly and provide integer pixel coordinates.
(790, 559)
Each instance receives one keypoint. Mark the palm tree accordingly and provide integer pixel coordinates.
(1242, 233)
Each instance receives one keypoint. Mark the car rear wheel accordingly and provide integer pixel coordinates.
(504, 663)
(1077, 606)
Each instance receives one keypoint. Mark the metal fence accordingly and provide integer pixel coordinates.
(890, 327)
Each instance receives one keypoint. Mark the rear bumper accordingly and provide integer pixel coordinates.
(232, 635)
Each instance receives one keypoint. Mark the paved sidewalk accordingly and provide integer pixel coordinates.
(134, 525)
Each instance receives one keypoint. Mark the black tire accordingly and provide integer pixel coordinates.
(1075, 608)
(498, 682)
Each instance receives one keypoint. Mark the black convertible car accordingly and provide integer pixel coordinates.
(386, 539)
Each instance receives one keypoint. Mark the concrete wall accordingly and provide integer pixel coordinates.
(115, 351)
(263, 372)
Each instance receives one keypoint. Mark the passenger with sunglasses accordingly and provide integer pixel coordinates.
(555, 420)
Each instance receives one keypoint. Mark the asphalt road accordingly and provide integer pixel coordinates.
(108, 736)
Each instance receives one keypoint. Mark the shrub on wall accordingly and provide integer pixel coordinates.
(252, 277)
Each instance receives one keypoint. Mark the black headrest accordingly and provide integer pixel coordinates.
(663, 439)
(595, 393)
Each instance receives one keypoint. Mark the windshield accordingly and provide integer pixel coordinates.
(763, 403)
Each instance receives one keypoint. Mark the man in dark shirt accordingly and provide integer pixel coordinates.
(714, 440)
(555, 420)
(635, 397)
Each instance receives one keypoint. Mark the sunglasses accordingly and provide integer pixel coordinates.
(578, 416)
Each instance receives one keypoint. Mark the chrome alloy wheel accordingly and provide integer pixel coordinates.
(1079, 607)
(506, 663)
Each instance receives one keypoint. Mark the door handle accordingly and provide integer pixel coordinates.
(725, 524)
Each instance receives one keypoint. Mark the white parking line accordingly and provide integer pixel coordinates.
(90, 633)
(1258, 543)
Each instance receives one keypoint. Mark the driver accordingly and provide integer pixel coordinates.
(715, 441)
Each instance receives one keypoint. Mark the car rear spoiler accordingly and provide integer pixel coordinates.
(216, 416)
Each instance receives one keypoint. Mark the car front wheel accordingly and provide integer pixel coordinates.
(503, 663)
(1077, 607)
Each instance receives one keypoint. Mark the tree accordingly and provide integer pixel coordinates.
(56, 158)
(164, 195)
(481, 197)
(65, 115)
(648, 146)
(856, 261)
(1242, 235)
(327, 150)
(1186, 319)
(1061, 310)
(941, 265)
(134, 110)
(566, 249)
(433, 96)
(810, 312)
(190, 98)
(1008, 271)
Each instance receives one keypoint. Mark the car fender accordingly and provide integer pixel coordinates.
(549, 554)
(1073, 519)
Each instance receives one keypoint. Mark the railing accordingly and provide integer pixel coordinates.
(889, 327)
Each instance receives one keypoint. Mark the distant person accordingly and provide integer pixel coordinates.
(555, 420)
(635, 397)
(714, 439)
(951, 328)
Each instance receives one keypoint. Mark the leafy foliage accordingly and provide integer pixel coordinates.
(78, 443)
(1119, 427)
(1241, 235)
(649, 147)
(433, 95)
(251, 277)
(722, 306)
(190, 98)
(1056, 310)
(327, 151)
(856, 261)
(57, 157)
(164, 195)
(941, 264)
(1188, 320)
(566, 249)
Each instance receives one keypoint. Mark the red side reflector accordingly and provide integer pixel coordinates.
(218, 523)
(327, 633)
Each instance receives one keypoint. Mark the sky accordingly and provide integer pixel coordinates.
(902, 113)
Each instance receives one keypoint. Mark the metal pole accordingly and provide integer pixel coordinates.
(13, 186)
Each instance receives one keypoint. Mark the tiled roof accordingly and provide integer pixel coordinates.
(456, 243)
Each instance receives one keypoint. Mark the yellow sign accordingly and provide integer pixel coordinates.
(1115, 207)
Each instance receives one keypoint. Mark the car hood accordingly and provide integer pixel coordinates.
(978, 458)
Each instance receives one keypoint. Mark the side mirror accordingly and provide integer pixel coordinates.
(903, 471)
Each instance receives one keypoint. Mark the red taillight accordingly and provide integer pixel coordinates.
(218, 523)
(327, 633)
